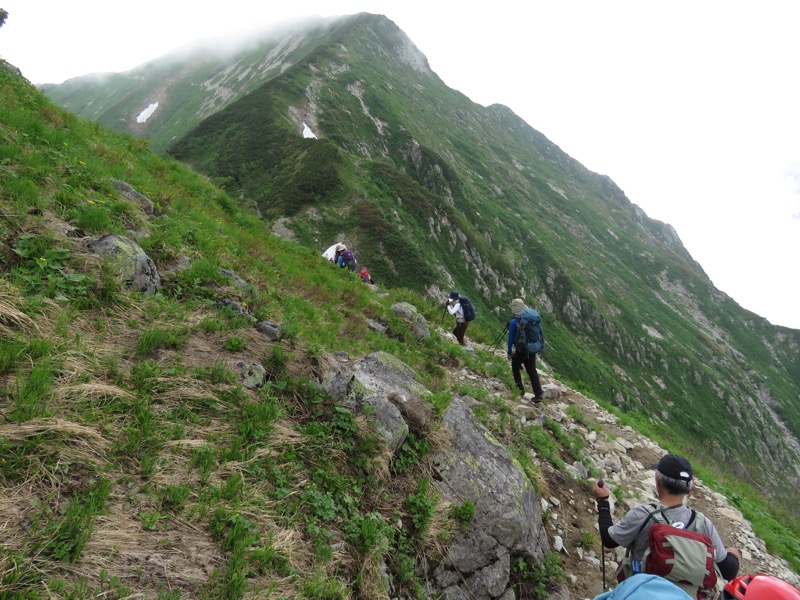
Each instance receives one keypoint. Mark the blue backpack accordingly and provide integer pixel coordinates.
(468, 308)
(529, 338)
(644, 586)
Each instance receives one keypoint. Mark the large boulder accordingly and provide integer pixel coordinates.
(409, 313)
(473, 466)
(129, 261)
(506, 523)
(380, 386)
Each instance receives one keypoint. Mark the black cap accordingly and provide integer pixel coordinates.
(454, 295)
(674, 467)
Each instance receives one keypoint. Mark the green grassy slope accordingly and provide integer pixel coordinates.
(131, 459)
(435, 192)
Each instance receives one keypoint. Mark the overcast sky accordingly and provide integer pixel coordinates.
(692, 108)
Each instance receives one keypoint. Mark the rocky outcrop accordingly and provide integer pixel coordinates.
(472, 466)
(506, 522)
(373, 386)
(130, 193)
(409, 313)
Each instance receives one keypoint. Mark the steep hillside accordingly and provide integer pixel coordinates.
(173, 382)
(435, 192)
(169, 422)
(184, 87)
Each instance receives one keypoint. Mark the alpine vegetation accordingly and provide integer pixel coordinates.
(195, 406)
(436, 193)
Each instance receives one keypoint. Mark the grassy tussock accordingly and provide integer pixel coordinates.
(80, 441)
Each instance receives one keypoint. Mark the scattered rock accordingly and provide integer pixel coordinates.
(128, 260)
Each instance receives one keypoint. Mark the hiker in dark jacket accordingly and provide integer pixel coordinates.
(454, 307)
(347, 260)
(520, 359)
(674, 480)
(338, 253)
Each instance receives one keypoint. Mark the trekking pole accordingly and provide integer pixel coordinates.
(601, 483)
(500, 337)
(603, 561)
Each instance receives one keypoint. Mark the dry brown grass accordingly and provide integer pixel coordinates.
(382, 463)
(299, 555)
(15, 502)
(96, 392)
(11, 318)
(177, 554)
(373, 580)
(80, 442)
(354, 328)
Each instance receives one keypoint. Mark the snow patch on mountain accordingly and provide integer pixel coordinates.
(147, 113)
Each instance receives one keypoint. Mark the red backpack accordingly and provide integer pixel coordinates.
(685, 556)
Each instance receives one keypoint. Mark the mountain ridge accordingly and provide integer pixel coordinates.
(135, 456)
(435, 192)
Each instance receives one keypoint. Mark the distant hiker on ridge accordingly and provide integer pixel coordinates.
(461, 308)
(346, 259)
(525, 341)
(338, 253)
(679, 534)
(364, 275)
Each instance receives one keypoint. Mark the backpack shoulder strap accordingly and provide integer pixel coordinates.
(629, 550)
(654, 514)
(695, 521)
(665, 519)
(650, 515)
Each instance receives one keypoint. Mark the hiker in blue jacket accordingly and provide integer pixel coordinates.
(520, 359)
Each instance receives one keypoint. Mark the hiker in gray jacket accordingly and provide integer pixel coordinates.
(674, 480)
